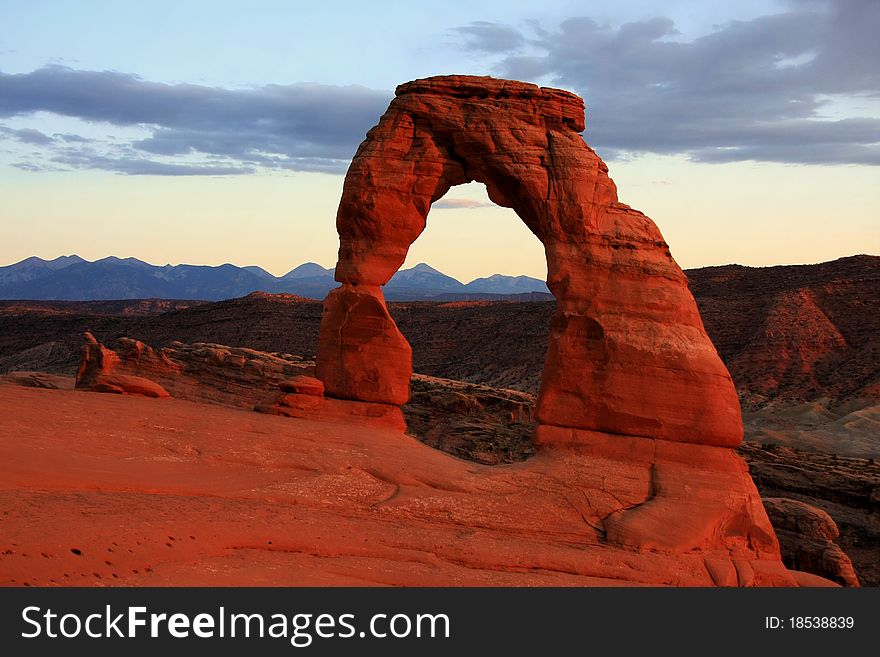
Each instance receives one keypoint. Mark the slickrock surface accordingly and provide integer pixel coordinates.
(627, 350)
(124, 490)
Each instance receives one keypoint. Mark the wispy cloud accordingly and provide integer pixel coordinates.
(132, 164)
(26, 135)
(488, 36)
(307, 127)
(459, 204)
(750, 90)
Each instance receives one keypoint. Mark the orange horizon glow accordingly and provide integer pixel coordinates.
(745, 213)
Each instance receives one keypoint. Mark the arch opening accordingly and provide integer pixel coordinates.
(469, 237)
(473, 390)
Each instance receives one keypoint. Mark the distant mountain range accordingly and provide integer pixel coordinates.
(72, 278)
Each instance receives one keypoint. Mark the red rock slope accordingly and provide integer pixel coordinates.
(796, 332)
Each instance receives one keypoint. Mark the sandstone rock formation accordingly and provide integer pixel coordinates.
(99, 372)
(797, 333)
(233, 376)
(807, 538)
(627, 350)
(278, 384)
(303, 385)
(847, 489)
(362, 354)
(635, 405)
(303, 397)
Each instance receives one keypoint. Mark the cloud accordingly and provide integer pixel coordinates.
(138, 166)
(29, 166)
(69, 137)
(306, 127)
(762, 89)
(459, 204)
(749, 90)
(26, 135)
(487, 36)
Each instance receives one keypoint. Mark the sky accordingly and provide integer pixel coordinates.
(213, 132)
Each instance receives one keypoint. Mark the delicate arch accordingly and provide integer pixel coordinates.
(627, 351)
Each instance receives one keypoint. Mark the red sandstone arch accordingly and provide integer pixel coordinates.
(627, 353)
